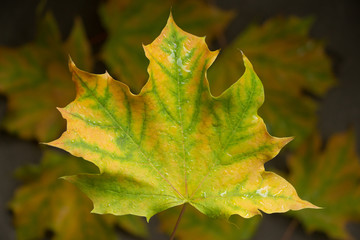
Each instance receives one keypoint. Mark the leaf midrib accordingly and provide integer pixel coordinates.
(181, 122)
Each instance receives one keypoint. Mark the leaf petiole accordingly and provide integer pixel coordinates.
(177, 222)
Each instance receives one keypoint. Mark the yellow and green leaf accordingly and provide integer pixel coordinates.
(329, 177)
(175, 143)
(195, 225)
(46, 203)
(35, 80)
(134, 22)
(291, 65)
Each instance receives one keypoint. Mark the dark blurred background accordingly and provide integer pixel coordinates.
(337, 23)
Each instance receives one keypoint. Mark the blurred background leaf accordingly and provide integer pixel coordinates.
(35, 79)
(330, 178)
(292, 67)
(46, 203)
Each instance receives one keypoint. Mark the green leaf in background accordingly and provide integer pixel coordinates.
(289, 63)
(195, 225)
(35, 79)
(330, 178)
(175, 143)
(45, 202)
(134, 22)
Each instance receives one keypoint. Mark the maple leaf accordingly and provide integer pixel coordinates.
(37, 71)
(290, 64)
(195, 225)
(174, 143)
(330, 178)
(131, 23)
(46, 203)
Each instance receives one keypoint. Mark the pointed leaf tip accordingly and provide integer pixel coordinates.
(71, 64)
(287, 140)
(170, 14)
(247, 62)
(170, 19)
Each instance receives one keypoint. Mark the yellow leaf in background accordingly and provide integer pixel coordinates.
(175, 143)
(35, 80)
(290, 63)
(46, 203)
(331, 178)
(134, 22)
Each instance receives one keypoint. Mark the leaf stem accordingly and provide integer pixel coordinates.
(177, 222)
